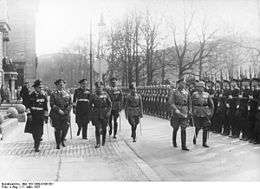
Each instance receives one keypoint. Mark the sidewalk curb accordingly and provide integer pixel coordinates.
(145, 168)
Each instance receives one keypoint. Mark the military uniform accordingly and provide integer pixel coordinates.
(116, 97)
(179, 103)
(209, 89)
(202, 110)
(216, 100)
(133, 110)
(82, 110)
(38, 114)
(233, 98)
(61, 105)
(253, 109)
(257, 120)
(101, 110)
(227, 114)
(242, 108)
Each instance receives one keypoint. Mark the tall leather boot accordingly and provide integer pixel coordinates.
(183, 140)
(204, 138)
(57, 139)
(37, 145)
(174, 136)
(85, 132)
(97, 134)
(63, 136)
(195, 136)
(115, 128)
(134, 133)
(79, 129)
(110, 124)
(104, 133)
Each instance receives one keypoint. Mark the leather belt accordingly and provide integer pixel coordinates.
(36, 108)
(181, 104)
(83, 100)
(201, 105)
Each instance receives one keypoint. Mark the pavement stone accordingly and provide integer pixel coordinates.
(227, 159)
(151, 158)
(78, 161)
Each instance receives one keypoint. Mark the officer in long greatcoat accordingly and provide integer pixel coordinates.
(133, 109)
(180, 105)
(81, 107)
(116, 97)
(61, 105)
(37, 113)
(101, 110)
(202, 111)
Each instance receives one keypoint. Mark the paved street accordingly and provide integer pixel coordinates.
(151, 158)
(226, 160)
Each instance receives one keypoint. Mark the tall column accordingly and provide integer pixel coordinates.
(13, 97)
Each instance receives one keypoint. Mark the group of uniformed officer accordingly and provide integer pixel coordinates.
(101, 107)
(184, 105)
(231, 108)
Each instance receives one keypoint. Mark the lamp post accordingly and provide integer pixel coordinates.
(100, 55)
(90, 57)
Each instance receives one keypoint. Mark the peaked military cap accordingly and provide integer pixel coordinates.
(82, 80)
(58, 81)
(113, 79)
(37, 83)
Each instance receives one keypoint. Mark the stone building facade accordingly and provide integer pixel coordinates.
(4, 36)
(22, 46)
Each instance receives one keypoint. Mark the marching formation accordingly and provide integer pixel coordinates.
(101, 107)
(230, 108)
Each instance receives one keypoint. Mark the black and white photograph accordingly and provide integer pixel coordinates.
(129, 91)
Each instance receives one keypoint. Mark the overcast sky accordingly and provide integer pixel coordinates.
(59, 22)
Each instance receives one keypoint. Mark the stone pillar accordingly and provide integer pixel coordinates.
(13, 94)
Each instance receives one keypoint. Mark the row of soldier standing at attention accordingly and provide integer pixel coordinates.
(101, 107)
